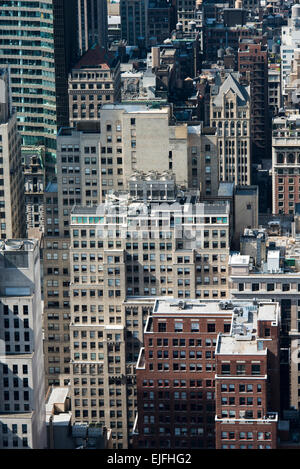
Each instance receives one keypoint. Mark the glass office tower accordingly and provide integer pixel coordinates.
(38, 43)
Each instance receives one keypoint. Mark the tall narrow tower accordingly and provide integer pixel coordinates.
(92, 24)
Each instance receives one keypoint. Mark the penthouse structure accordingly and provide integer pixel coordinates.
(179, 390)
(22, 407)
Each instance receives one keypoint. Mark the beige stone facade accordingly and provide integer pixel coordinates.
(230, 115)
(12, 219)
(94, 81)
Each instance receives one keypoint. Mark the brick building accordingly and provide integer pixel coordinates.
(247, 364)
(180, 378)
(285, 163)
(253, 67)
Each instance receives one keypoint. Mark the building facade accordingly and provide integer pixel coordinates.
(176, 375)
(11, 183)
(92, 24)
(247, 379)
(23, 414)
(127, 273)
(38, 44)
(187, 387)
(134, 22)
(285, 163)
(77, 183)
(93, 81)
(230, 114)
(253, 68)
(33, 162)
(274, 279)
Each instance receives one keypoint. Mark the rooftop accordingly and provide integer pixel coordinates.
(137, 107)
(174, 307)
(239, 260)
(96, 56)
(18, 245)
(243, 338)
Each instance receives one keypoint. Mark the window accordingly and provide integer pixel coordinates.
(255, 369)
(178, 327)
(162, 327)
(240, 369)
(225, 368)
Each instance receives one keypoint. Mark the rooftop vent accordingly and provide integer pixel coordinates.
(225, 305)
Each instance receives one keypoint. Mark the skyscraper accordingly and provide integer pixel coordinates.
(134, 21)
(35, 42)
(92, 23)
(11, 178)
(22, 392)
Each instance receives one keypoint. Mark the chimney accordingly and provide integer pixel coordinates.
(155, 57)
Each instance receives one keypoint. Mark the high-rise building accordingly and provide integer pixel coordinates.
(92, 24)
(230, 114)
(205, 373)
(11, 183)
(33, 161)
(247, 379)
(83, 154)
(134, 22)
(38, 42)
(271, 277)
(290, 40)
(93, 81)
(77, 183)
(145, 137)
(185, 12)
(161, 20)
(123, 254)
(285, 163)
(253, 69)
(22, 403)
(175, 375)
